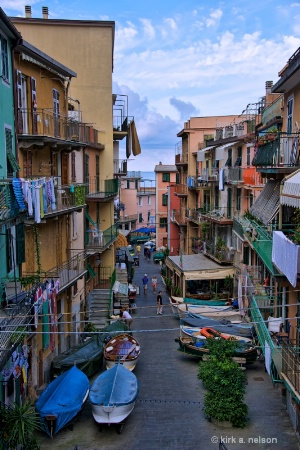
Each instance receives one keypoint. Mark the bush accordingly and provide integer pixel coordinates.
(225, 383)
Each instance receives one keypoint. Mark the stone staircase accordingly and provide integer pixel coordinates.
(98, 307)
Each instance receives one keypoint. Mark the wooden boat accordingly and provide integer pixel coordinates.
(214, 312)
(225, 326)
(196, 346)
(180, 306)
(113, 395)
(209, 332)
(123, 349)
(62, 401)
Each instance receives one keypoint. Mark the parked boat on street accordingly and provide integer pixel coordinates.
(224, 326)
(179, 307)
(122, 349)
(62, 401)
(113, 395)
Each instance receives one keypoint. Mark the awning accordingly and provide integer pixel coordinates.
(290, 195)
(230, 144)
(219, 153)
(201, 153)
(217, 274)
(267, 204)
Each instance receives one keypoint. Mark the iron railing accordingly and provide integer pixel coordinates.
(180, 189)
(223, 255)
(102, 188)
(100, 240)
(279, 152)
(291, 364)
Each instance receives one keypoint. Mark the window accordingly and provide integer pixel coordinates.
(73, 167)
(250, 200)
(248, 156)
(229, 159)
(74, 225)
(136, 183)
(177, 178)
(166, 177)
(165, 199)
(149, 200)
(128, 184)
(148, 218)
(238, 199)
(141, 217)
(140, 201)
(163, 223)
(4, 59)
(289, 125)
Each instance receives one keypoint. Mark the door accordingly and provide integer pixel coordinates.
(56, 113)
(33, 105)
(64, 169)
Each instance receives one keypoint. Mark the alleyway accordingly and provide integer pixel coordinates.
(168, 412)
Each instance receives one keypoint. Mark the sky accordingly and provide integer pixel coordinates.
(185, 58)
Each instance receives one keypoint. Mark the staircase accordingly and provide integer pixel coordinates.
(98, 307)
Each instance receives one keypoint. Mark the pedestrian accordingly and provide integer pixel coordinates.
(138, 249)
(159, 303)
(154, 283)
(145, 283)
(148, 255)
(126, 317)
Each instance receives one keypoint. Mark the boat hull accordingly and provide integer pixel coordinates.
(111, 414)
(122, 349)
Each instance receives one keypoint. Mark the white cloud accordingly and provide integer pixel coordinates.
(149, 30)
(214, 18)
(171, 22)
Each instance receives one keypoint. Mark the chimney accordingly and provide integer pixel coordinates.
(45, 12)
(27, 11)
(269, 85)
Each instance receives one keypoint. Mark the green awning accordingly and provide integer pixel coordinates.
(91, 271)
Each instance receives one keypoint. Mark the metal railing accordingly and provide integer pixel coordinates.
(218, 214)
(234, 175)
(120, 167)
(279, 152)
(44, 122)
(100, 240)
(129, 218)
(223, 255)
(180, 189)
(102, 188)
(291, 364)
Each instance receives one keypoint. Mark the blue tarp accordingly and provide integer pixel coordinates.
(117, 386)
(145, 230)
(63, 398)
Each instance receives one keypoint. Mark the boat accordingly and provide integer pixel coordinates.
(113, 395)
(180, 307)
(122, 349)
(62, 401)
(213, 312)
(87, 356)
(209, 332)
(195, 345)
(199, 302)
(241, 329)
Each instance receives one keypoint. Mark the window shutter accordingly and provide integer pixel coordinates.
(73, 167)
(33, 105)
(20, 243)
(9, 153)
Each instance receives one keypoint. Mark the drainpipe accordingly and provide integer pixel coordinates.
(283, 315)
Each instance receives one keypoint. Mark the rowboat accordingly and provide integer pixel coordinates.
(113, 395)
(240, 329)
(123, 349)
(209, 332)
(195, 345)
(62, 401)
(214, 312)
(180, 307)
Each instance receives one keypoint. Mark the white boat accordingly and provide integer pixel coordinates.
(180, 306)
(113, 395)
(195, 332)
(123, 349)
(213, 312)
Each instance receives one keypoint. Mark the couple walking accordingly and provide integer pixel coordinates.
(145, 281)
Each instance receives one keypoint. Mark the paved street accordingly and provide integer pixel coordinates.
(168, 412)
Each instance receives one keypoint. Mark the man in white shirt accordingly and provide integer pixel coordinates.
(126, 317)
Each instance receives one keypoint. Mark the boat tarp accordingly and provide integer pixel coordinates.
(63, 398)
(245, 330)
(117, 386)
(87, 356)
(217, 274)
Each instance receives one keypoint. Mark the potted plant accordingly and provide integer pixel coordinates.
(225, 383)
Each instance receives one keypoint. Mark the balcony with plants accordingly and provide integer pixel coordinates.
(221, 215)
(101, 190)
(218, 251)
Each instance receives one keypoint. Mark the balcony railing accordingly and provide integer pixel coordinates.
(181, 154)
(272, 111)
(280, 152)
(222, 255)
(197, 245)
(221, 215)
(179, 217)
(120, 167)
(44, 122)
(180, 189)
(129, 218)
(252, 178)
(234, 175)
(102, 189)
(291, 365)
(100, 240)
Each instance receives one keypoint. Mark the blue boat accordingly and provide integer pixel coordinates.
(224, 326)
(62, 400)
(113, 395)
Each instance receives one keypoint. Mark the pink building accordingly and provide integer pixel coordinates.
(165, 175)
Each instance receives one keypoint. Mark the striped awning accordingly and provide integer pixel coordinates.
(290, 194)
(201, 153)
(266, 205)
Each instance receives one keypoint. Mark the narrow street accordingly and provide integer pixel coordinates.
(168, 412)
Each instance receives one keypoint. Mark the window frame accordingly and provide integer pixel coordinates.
(166, 177)
(289, 115)
(164, 199)
(4, 59)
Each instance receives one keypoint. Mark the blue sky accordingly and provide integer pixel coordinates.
(177, 59)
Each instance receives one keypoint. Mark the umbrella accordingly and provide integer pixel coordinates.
(161, 249)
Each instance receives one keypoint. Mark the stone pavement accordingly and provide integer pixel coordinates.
(168, 412)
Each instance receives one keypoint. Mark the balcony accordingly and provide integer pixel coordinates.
(43, 125)
(179, 217)
(181, 190)
(272, 113)
(222, 216)
(291, 366)
(102, 190)
(120, 168)
(278, 155)
(126, 219)
(181, 155)
(121, 120)
(197, 245)
(252, 178)
(98, 241)
(222, 255)
(234, 175)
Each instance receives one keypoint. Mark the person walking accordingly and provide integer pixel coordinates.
(126, 317)
(145, 283)
(154, 283)
(148, 254)
(159, 303)
(138, 249)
